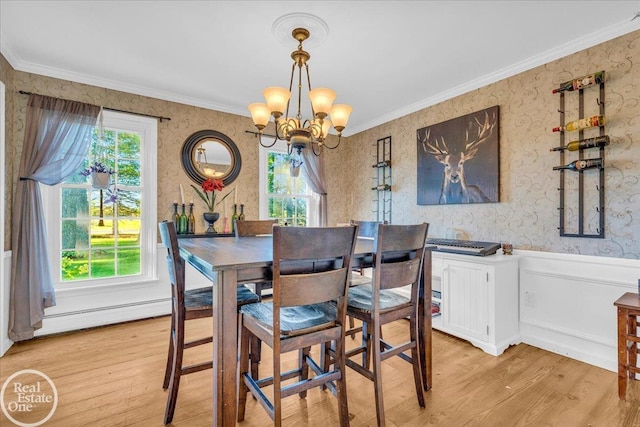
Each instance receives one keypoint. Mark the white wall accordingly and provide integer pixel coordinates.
(566, 303)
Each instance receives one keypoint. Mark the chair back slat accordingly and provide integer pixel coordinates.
(398, 274)
(399, 255)
(310, 265)
(309, 243)
(367, 228)
(254, 227)
(313, 288)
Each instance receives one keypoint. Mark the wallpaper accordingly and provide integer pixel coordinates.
(6, 76)
(527, 214)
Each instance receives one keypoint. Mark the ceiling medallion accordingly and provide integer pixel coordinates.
(284, 26)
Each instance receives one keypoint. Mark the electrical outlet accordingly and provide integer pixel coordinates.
(529, 299)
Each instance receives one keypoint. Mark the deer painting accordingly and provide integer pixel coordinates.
(457, 155)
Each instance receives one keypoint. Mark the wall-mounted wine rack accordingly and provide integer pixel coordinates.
(583, 229)
(382, 180)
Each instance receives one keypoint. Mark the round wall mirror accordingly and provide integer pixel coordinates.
(211, 154)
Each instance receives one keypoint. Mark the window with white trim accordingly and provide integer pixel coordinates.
(283, 196)
(93, 239)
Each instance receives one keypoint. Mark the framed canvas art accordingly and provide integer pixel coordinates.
(458, 160)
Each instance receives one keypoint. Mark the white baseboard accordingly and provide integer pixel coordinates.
(103, 316)
(5, 280)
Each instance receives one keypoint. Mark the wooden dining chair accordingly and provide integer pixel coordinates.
(256, 228)
(397, 262)
(311, 268)
(186, 305)
(366, 229)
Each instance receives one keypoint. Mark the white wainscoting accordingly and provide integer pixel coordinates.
(96, 306)
(566, 303)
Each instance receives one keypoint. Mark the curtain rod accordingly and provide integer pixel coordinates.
(257, 133)
(161, 118)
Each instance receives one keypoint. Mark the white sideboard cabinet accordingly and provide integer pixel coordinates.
(478, 299)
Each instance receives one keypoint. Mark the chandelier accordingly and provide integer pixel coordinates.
(300, 133)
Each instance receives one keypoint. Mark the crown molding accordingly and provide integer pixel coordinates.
(573, 46)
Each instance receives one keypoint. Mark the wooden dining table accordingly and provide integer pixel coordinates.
(227, 261)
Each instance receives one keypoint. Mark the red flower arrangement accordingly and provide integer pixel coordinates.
(208, 193)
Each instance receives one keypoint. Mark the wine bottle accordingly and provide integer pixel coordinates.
(578, 165)
(176, 216)
(579, 83)
(383, 187)
(582, 124)
(182, 229)
(234, 218)
(241, 216)
(383, 164)
(191, 224)
(598, 141)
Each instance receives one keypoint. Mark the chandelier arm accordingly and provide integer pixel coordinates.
(335, 146)
(275, 139)
(314, 149)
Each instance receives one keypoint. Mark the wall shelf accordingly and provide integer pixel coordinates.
(578, 223)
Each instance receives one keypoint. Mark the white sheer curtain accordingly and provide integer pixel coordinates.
(56, 141)
(313, 168)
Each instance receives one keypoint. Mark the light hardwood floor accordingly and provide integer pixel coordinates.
(112, 376)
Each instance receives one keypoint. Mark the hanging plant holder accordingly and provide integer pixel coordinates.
(100, 180)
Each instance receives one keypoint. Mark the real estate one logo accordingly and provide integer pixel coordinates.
(28, 398)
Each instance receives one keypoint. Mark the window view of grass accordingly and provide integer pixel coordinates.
(101, 240)
(287, 195)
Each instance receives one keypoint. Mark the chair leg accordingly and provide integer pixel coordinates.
(258, 290)
(277, 389)
(377, 377)
(169, 368)
(256, 354)
(339, 363)
(303, 365)
(415, 360)
(352, 326)
(366, 344)
(244, 368)
(176, 373)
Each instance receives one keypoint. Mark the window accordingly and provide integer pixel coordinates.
(283, 197)
(95, 241)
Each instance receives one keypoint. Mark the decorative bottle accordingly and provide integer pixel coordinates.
(578, 165)
(182, 229)
(234, 218)
(382, 187)
(582, 123)
(176, 217)
(598, 141)
(241, 216)
(579, 83)
(191, 223)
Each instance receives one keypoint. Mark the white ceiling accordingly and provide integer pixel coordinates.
(385, 58)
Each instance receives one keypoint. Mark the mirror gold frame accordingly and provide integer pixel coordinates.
(223, 161)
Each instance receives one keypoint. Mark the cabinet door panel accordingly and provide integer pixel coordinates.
(465, 295)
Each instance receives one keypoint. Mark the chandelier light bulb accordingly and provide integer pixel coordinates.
(277, 99)
(340, 115)
(321, 101)
(260, 114)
